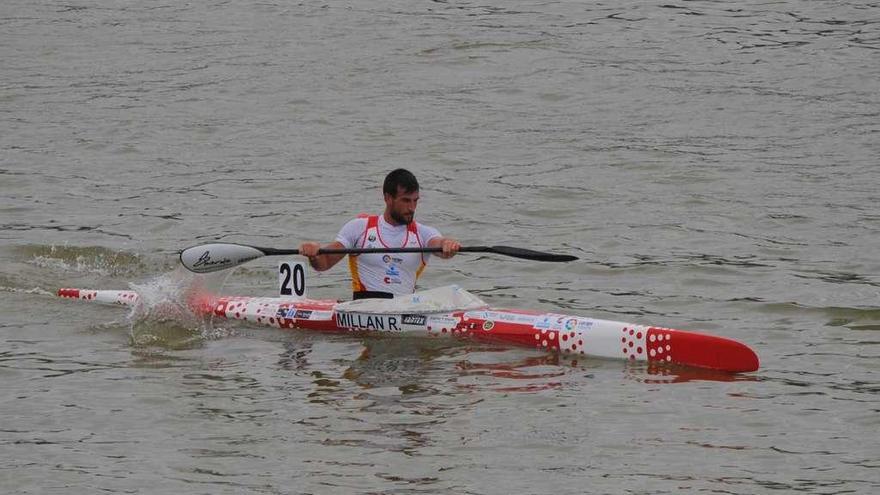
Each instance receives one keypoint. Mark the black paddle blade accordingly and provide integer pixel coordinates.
(528, 254)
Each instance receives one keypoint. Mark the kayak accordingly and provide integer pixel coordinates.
(468, 317)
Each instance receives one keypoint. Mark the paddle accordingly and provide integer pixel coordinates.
(207, 258)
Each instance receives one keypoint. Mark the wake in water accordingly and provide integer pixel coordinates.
(89, 259)
(163, 313)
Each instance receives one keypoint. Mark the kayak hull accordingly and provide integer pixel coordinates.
(571, 335)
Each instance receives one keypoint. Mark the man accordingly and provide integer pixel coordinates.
(385, 275)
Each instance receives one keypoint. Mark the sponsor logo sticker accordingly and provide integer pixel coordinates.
(543, 322)
(442, 321)
(418, 320)
(525, 319)
(479, 315)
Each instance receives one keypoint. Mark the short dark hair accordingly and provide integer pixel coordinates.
(400, 179)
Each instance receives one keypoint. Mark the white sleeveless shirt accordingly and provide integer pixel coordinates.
(393, 272)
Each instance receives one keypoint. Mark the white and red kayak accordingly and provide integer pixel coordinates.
(572, 335)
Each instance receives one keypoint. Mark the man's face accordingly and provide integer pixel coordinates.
(402, 206)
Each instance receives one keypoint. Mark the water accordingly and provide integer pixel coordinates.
(714, 165)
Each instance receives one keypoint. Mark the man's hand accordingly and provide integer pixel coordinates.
(309, 249)
(321, 262)
(450, 247)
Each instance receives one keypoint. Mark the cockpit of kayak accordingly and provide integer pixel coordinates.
(441, 299)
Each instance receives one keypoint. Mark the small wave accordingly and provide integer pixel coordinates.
(83, 259)
(35, 290)
(854, 318)
(171, 335)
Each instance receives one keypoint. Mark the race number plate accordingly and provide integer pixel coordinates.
(292, 279)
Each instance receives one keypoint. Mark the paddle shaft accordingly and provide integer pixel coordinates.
(515, 252)
(463, 249)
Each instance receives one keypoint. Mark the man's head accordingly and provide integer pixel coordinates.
(401, 191)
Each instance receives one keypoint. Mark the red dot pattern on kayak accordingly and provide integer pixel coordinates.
(633, 342)
(659, 344)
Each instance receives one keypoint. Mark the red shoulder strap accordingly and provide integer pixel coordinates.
(372, 222)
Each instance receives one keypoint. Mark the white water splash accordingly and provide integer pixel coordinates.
(164, 314)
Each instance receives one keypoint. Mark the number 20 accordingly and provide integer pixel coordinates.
(296, 276)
